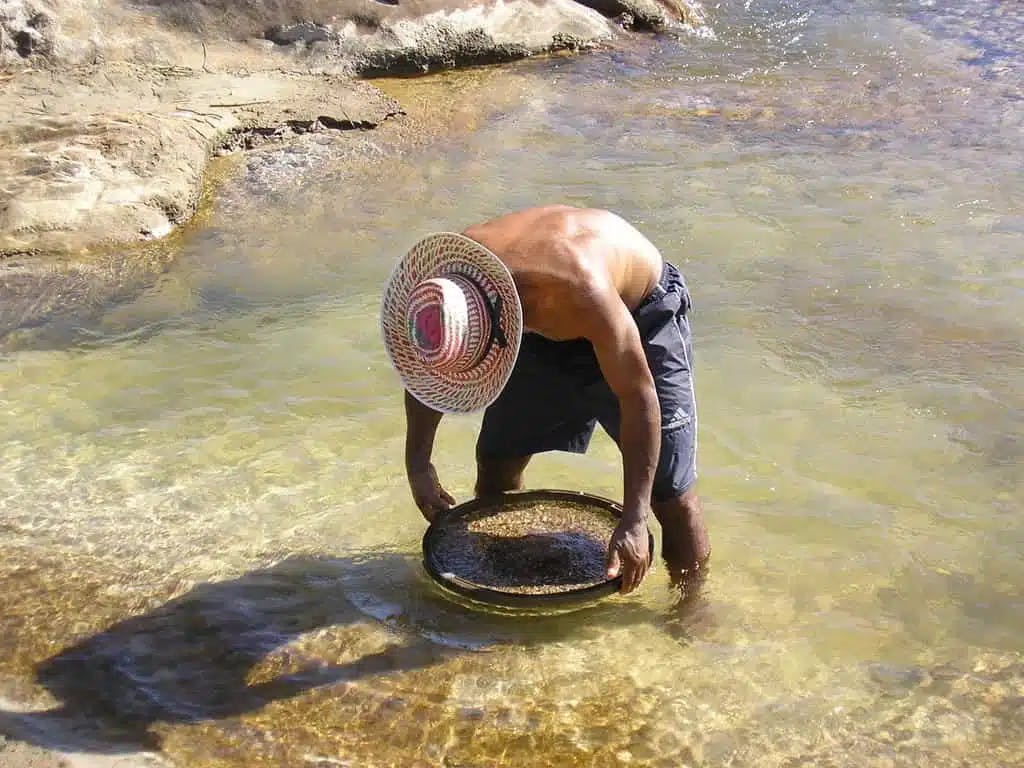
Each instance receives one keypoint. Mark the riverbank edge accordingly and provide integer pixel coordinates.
(105, 156)
(107, 146)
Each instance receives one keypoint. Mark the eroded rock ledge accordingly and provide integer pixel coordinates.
(93, 155)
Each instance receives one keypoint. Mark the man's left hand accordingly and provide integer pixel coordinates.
(629, 554)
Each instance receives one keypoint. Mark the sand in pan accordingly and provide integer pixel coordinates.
(527, 547)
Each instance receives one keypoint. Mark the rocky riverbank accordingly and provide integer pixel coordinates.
(113, 115)
(113, 111)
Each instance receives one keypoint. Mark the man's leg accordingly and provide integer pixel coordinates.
(686, 551)
(495, 475)
(685, 545)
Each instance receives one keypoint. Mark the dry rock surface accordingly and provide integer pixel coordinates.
(25, 30)
(117, 153)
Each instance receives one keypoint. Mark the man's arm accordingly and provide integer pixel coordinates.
(611, 329)
(421, 427)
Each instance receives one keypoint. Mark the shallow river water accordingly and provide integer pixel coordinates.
(205, 532)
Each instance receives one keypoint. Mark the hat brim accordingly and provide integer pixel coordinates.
(446, 253)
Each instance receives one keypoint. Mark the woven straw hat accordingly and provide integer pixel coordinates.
(452, 323)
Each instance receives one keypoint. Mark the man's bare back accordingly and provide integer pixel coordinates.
(555, 252)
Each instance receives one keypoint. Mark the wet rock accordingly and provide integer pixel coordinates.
(648, 14)
(897, 680)
(304, 32)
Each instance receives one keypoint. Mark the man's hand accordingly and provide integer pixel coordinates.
(428, 494)
(629, 553)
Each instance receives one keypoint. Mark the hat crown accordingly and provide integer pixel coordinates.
(448, 322)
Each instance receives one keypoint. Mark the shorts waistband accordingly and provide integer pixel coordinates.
(670, 277)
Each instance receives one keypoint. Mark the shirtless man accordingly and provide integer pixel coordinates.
(606, 340)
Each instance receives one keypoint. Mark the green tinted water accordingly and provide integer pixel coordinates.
(219, 456)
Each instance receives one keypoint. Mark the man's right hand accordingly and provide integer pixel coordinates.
(428, 494)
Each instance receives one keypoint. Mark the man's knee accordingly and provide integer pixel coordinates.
(682, 507)
(499, 475)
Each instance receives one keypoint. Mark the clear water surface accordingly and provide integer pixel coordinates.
(204, 524)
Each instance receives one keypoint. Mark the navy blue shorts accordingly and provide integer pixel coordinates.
(557, 393)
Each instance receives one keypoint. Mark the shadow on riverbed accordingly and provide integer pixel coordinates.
(217, 651)
(228, 648)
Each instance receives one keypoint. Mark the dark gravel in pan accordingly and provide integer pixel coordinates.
(527, 547)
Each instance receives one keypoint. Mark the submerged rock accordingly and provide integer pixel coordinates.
(303, 32)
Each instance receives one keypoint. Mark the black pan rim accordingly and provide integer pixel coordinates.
(503, 599)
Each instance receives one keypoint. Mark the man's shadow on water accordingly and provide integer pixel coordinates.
(191, 659)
